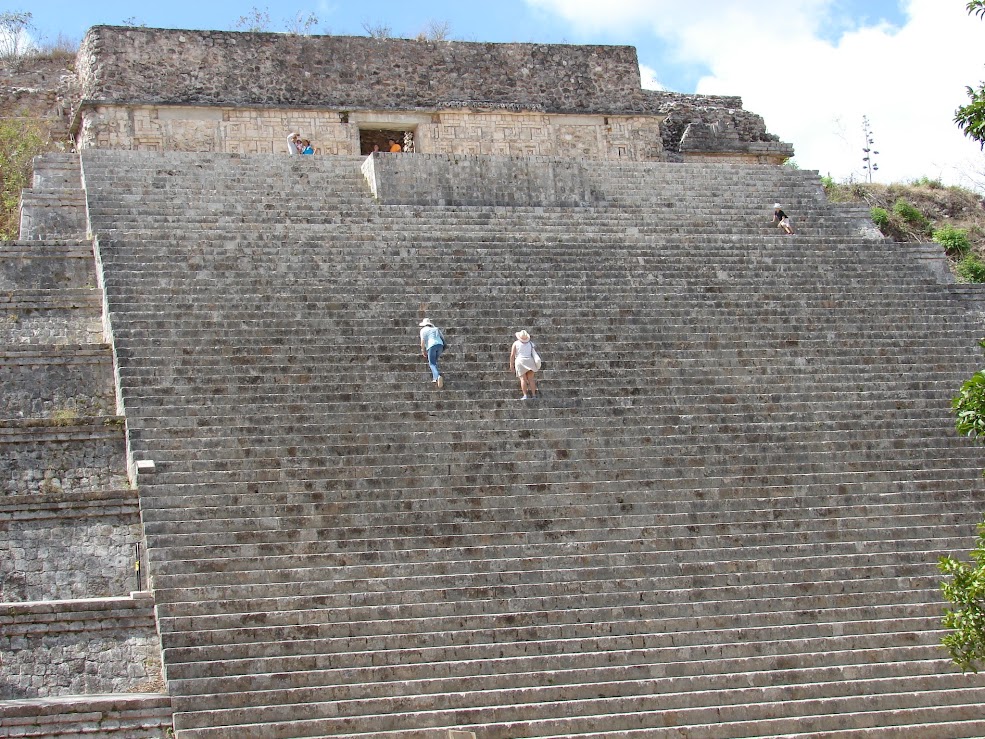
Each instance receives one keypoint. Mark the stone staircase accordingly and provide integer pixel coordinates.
(721, 519)
(79, 650)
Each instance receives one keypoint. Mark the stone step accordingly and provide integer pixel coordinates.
(371, 617)
(686, 509)
(337, 582)
(185, 541)
(830, 716)
(526, 701)
(245, 637)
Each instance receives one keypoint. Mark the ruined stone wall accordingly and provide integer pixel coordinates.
(222, 68)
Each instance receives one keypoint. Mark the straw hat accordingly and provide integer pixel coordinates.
(426, 322)
(523, 336)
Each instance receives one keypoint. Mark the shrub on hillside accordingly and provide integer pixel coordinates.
(954, 240)
(928, 183)
(965, 619)
(880, 217)
(21, 139)
(909, 213)
(971, 269)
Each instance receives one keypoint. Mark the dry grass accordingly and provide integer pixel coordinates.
(940, 205)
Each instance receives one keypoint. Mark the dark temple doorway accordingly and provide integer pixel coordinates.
(380, 137)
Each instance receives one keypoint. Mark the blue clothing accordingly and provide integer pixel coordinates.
(431, 336)
(433, 344)
(434, 351)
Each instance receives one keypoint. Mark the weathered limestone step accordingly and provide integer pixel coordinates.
(643, 689)
(748, 471)
(548, 573)
(578, 716)
(515, 655)
(110, 716)
(398, 680)
(552, 595)
(286, 566)
(239, 439)
(925, 538)
(861, 619)
(353, 530)
(171, 502)
(177, 507)
(335, 639)
(300, 563)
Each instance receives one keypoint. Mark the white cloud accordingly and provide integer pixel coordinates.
(649, 79)
(814, 92)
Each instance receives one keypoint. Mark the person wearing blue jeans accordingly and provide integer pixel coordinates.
(432, 344)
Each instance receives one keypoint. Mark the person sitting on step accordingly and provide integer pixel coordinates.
(781, 219)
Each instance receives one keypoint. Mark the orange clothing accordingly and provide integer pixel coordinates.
(395, 149)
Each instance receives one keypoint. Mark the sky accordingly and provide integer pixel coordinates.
(813, 69)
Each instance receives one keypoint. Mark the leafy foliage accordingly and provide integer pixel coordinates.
(965, 641)
(933, 184)
(971, 269)
(21, 139)
(971, 117)
(880, 217)
(954, 240)
(969, 405)
(905, 210)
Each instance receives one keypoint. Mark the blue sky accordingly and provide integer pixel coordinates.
(811, 68)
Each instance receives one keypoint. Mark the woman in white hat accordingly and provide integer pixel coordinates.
(781, 219)
(432, 344)
(525, 361)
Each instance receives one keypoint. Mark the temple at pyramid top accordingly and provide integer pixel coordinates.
(186, 90)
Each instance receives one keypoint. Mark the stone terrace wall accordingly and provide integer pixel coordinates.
(143, 66)
(68, 545)
(78, 647)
